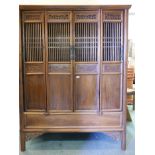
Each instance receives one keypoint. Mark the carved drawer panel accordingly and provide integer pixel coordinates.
(59, 68)
(107, 68)
(87, 68)
(34, 68)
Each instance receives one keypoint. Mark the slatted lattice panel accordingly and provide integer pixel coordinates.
(33, 42)
(58, 42)
(86, 41)
(112, 36)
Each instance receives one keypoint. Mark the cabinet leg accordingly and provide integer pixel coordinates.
(22, 141)
(123, 140)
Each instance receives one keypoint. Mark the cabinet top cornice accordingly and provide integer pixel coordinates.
(73, 7)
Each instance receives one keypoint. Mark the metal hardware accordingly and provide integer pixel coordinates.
(77, 77)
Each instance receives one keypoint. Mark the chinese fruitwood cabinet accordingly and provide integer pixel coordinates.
(73, 69)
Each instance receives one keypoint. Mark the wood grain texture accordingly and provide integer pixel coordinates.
(73, 63)
(73, 121)
(87, 92)
(35, 97)
(111, 92)
(59, 96)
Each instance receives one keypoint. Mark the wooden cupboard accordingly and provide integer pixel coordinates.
(73, 63)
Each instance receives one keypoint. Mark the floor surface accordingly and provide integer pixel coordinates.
(82, 143)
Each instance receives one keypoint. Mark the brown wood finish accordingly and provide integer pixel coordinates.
(59, 88)
(109, 120)
(111, 98)
(87, 92)
(73, 69)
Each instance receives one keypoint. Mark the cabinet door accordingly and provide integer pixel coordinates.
(111, 67)
(34, 61)
(59, 66)
(86, 76)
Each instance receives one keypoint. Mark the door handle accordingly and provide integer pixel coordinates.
(77, 77)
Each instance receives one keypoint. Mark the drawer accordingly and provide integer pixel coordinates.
(70, 120)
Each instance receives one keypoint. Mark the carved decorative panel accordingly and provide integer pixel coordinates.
(58, 16)
(112, 15)
(111, 67)
(86, 16)
(59, 68)
(32, 16)
(34, 68)
(86, 68)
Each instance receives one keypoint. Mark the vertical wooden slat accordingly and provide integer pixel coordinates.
(86, 41)
(54, 55)
(82, 39)
(35, 34)
(110, 41)
(63, 42)
(91, 41)
(52, 42)
(112, 29)
(57, 44)
(77, 40)
(26, 42)
(95, 54)
(29, 32)
(33, 41)
(66, 34)
(49, 41)
(68, 40)
(60, 42)
(38, 42)
(55, 28)
(114, 42)
(107, 41)
(104, 43)
(120, 42)
(84, 28)
(40, 50)
(30, 43)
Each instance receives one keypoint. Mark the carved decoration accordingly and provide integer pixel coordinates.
(112, 16)
(34, 68)
(89, 68)
(93, 16)
(29, 16)
(58, 16)
(59, 68)
(111, 68)
(29, 136)
(113, 135)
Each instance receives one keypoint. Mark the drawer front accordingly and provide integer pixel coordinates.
(106, 120)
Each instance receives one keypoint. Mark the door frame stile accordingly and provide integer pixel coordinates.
(72, 45)
(46, 59)
(100, 64)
